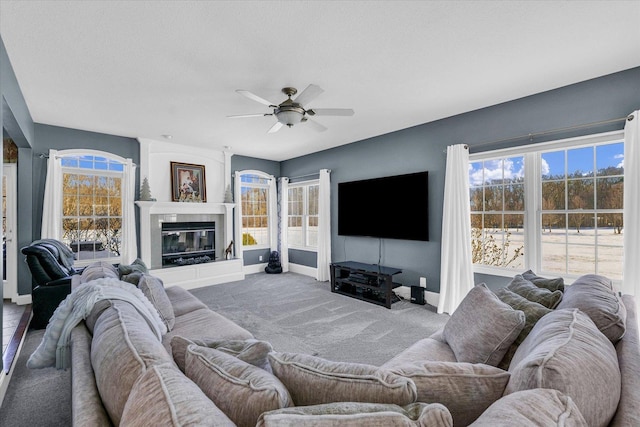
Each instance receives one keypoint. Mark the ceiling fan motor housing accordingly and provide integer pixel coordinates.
(289, 112)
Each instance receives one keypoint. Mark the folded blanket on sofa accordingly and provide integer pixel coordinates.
(54, 348)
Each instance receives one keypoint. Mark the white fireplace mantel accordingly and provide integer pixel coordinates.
(176, 208)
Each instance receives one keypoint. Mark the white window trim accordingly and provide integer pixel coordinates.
(76, 152)
(533, 202)
(305, 215)
(270, 214)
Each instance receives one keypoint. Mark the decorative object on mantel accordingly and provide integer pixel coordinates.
(227, 252)
(228, 195)
(187, 183)
(145, 191)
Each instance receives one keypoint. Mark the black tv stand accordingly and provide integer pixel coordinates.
(369, 282)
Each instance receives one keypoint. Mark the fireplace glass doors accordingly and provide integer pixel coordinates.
(186, 243)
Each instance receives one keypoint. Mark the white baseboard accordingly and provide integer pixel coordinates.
(254, 268)
(303, 269)
(22, 299)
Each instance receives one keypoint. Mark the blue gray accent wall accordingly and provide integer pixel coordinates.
(240, 163)
(16, 123)
(306, 258)
(423, 148)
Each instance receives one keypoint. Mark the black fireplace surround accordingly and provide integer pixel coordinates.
(187, 243)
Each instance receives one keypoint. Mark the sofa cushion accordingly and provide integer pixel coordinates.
(423, 350)
(355, 414)
(153, 288)
(312, 380)
(195, 324)
(532, 408)
(566, 352)
(137, 265)
(98, 270)
(532, 313)
(525, 288)
(594, 295)
(98, 308)
(242, 391)
(465, 389)
(252, 351)
(482, 328)
(553, 284)
(183, 301)
(164, 396)
(122, 349)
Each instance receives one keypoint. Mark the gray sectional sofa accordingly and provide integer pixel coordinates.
(575, 362)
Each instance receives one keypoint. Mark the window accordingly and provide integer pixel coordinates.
(497, 212)
(254, 193)
(92, 207)
(302, 226)
(560, 215)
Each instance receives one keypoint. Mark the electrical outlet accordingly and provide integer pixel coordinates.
(423, 282)
(260, 258)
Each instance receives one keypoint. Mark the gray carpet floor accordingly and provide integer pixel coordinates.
(294, 313)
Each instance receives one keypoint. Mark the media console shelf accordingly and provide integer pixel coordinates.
(369, 282)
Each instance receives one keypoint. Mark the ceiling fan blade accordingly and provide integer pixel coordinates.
(239, 116)
(331, 112)
(256, 98)
(315, 125)
(309, 94)
(275, 128)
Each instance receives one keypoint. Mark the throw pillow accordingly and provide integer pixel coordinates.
(565, 351)
(525, 288)
(529, 408)
(153, 289)
(137, 265)
(132, 278)
(594, 296)
(312, 380)
(162, 393)
(532, 313)
(465, 389)
(355, 414)
(252, 351)
(482, 328)
(242, 391)
(98, 270)
(555, 284)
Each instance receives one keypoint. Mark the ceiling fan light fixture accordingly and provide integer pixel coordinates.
(289, 116)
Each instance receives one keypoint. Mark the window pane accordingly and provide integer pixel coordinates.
(581, 259)
(313, 199)
(610, 193)
(552, 165)
(610, 159)
(610, 261)
(476, 199)
(514, 197)
(513, 170)
(580, 162)
(493, 172)
(493, 198)
(610, 224)
(552, 224)
(554, 258)
(580, 193)
(580, 226)
(476, 176)
(553, 195)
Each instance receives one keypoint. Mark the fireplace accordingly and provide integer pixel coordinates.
(188, 243)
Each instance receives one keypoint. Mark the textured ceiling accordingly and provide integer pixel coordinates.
(149, 68)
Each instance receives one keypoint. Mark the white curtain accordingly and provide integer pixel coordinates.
(456, 269)
(284, 222)
(129, 240)
(324, 226)
(52, 206)
(631, 212)
(238, 215)
(273, 214)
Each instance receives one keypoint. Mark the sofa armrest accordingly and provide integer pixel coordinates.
(86, 405)
(628, 349)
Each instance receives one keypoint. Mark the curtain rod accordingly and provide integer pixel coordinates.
(46, 156)
(309, 174)
(558, 130)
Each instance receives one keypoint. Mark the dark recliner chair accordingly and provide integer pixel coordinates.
(51, 271)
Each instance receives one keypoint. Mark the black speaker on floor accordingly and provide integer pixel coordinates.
(417, 295)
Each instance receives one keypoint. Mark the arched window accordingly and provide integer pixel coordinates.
(88, 205)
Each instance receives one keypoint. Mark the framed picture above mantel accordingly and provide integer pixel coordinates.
(188, 183)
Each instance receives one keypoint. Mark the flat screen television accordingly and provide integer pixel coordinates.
(392, 207)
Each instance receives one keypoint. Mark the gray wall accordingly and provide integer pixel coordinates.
(423, 148)
(16, 123)
(240, 163)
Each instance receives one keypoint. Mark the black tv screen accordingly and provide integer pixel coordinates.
(393, 207)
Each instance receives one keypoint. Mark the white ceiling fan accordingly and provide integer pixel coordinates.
(292, 111)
